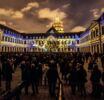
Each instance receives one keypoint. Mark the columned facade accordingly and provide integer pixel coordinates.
(51, 41)
(92, 40)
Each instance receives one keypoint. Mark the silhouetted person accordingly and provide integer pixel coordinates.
(82, 80)
(52, 76)
(0, 73)
(95, 79)
(62, 64)
(7, 73)
(40, 73)
(102, 60)
(73, 79)
(27, 76)
(86, 57)
(103, 77)
(90, 65)
(23, 70)
(66, 71)
(34, 78)
(103, 82)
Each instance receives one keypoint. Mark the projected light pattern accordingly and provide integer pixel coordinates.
(41, 47)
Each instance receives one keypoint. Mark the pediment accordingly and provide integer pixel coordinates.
(52, 30)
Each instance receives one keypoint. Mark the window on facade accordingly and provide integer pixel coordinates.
(10, 39)
(4, 31)
(27, 42)
(24, 42)
(3, 38)
(7, 31)
(6, 38)
(65, 36)
(92, 34)
(73, 36)
(13, 40)
(26, 37)
(97, 32)
(10, 32)
(21, 41)
(16, 41)
(103, 30)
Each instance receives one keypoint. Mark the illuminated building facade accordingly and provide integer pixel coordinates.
(11, 40)
(92, 40)
(51, 41)
(55, 39)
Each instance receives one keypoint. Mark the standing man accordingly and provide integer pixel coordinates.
(0, 73)
(95, 79)
(82, 74)
(52, 75)
(102, 60)
(7, 72)
(27, 76)
(103, 81)
(73, 78)
(34, 78)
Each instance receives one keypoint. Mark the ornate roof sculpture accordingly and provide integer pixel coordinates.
(58, 25)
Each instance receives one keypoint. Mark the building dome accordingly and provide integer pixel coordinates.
(58, 25)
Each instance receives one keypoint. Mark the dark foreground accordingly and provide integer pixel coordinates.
(65, 68)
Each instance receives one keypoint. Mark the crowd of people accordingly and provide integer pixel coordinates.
(67, 68)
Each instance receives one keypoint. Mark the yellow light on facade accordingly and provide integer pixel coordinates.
(58, 25)
(57, 19)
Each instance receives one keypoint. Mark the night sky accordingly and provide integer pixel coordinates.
(37, 15)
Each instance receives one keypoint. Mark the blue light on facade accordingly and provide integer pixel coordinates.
(13, 36)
